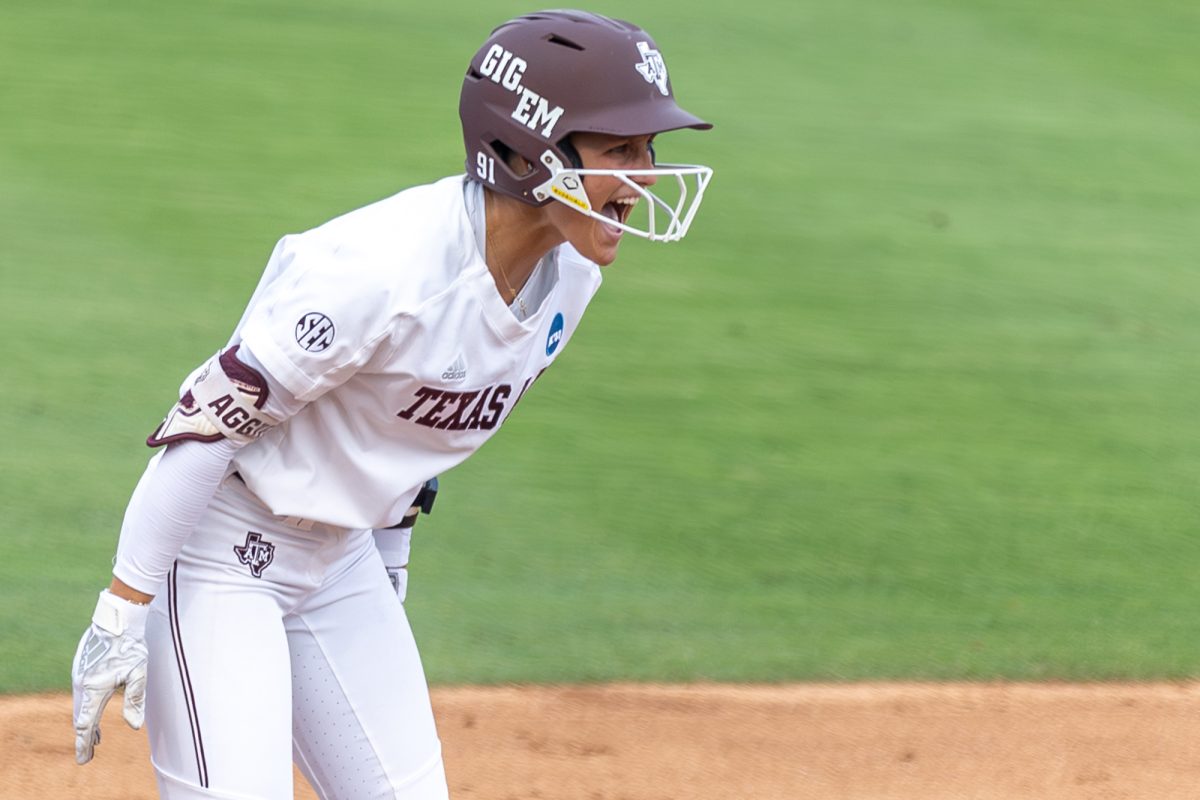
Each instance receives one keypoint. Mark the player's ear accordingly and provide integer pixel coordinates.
(519, 165)
(516, 163)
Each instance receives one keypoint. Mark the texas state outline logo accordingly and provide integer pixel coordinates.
(257, 553)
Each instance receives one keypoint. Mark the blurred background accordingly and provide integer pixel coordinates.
(916, 398)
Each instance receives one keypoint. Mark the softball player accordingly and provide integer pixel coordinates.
(250, 618)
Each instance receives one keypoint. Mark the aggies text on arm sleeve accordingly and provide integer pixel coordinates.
(173, 493)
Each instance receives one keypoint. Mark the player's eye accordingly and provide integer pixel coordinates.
(631, 150)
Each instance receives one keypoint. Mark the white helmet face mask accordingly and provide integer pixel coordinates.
(669, 212)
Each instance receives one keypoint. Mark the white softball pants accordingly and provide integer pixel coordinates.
(277, 640)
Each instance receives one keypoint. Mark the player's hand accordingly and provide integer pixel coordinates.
(394, 545)
(111, 654)
(399, 578)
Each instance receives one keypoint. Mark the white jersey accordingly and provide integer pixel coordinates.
(388, 323)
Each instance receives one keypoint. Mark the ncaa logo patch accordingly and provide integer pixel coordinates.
(556, 334)
(314, 332)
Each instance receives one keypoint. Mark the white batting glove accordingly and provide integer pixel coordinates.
(394, 546)
(111, 654)
(399, 578)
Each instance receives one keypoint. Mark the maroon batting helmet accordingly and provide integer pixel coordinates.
(543, 76)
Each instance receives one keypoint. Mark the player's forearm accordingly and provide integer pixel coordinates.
(165, 507)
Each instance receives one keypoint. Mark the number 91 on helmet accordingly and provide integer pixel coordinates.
(543, 77)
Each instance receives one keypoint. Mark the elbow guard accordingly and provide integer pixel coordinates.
(225, 402)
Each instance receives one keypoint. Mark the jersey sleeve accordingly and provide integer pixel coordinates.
(320, 319)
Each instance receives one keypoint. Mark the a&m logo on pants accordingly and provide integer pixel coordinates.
(256, 553)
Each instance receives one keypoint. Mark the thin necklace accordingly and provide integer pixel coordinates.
(520, 301)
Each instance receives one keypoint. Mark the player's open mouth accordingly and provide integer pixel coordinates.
(618, 209)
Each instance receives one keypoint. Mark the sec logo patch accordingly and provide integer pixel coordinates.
(314, 332)
(555, 336)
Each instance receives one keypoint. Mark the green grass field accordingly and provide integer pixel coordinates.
(916, 397)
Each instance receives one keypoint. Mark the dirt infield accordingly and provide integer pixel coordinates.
(632, 742)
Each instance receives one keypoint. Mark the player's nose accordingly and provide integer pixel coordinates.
(645, 161)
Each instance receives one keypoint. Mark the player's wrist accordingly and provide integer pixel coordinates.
(119, 616)
(126, 592)
(394, 546)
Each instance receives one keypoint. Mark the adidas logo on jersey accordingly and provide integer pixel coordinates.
(457, 371)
